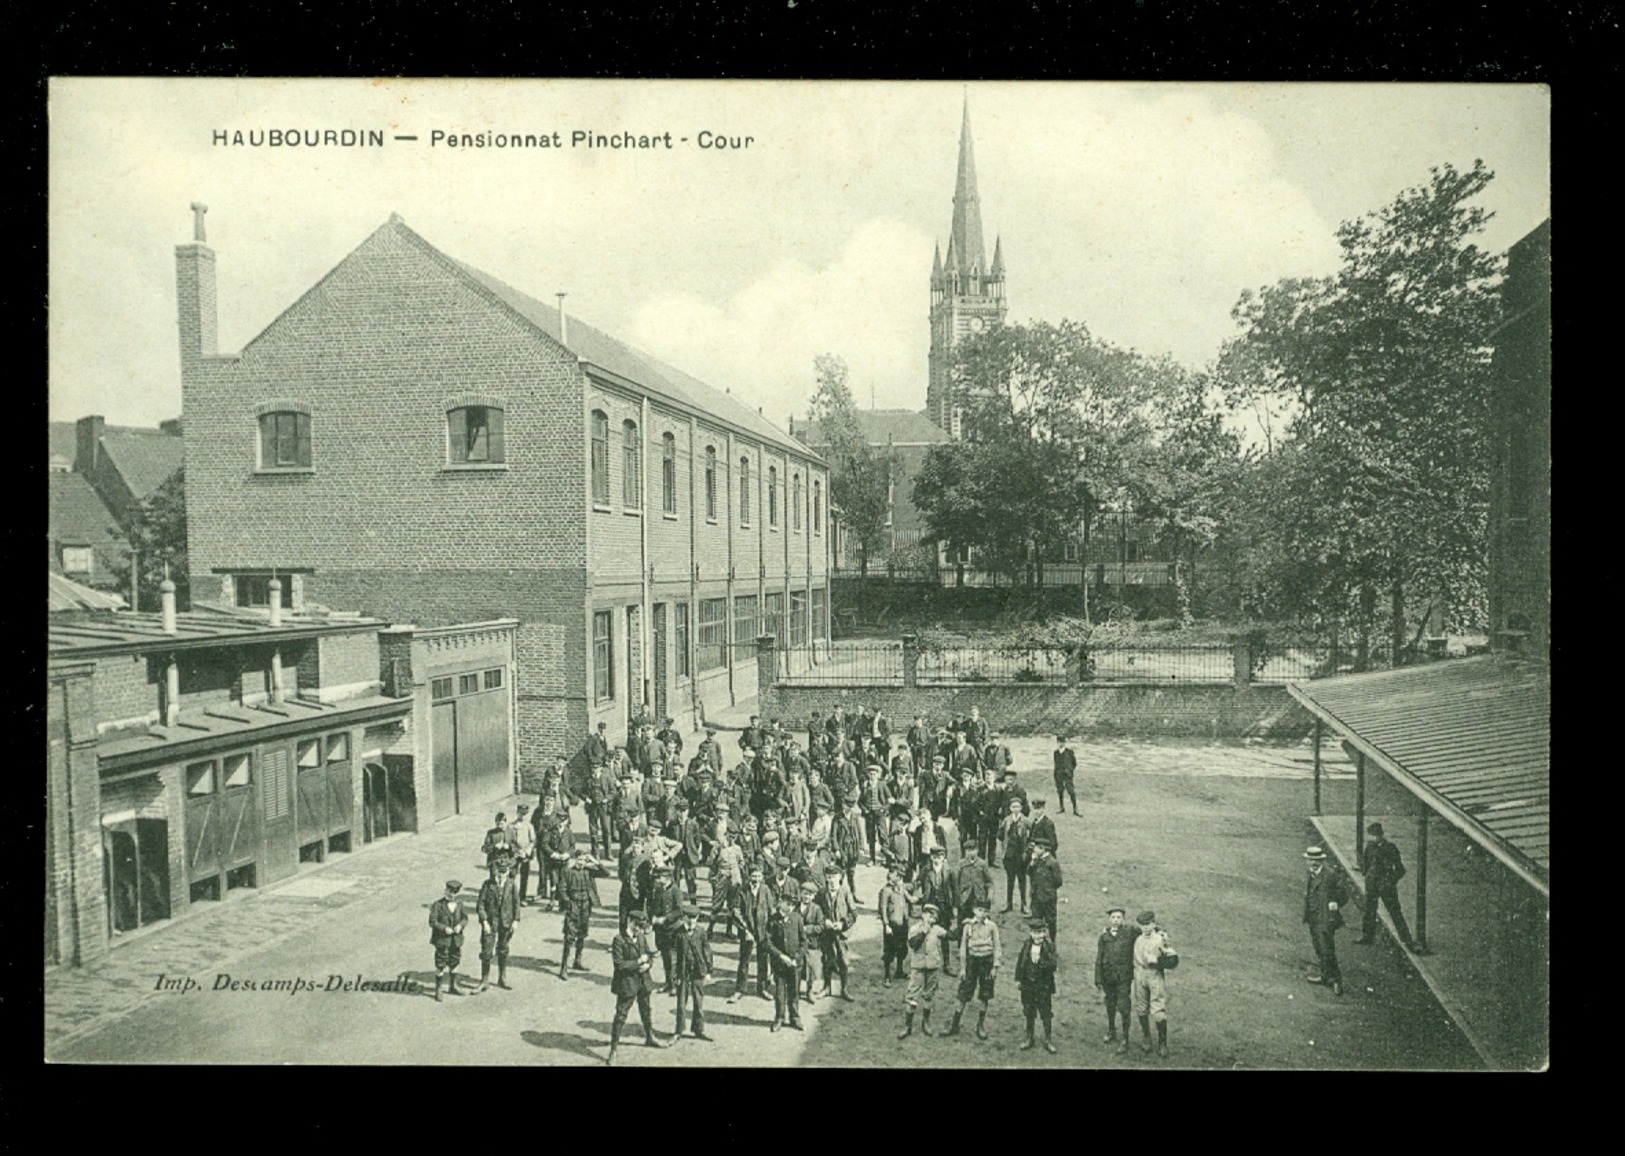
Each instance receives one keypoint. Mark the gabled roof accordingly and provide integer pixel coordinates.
(1471, 738)
(879, 426)
(66, 596)
(593, 346)
(75, 514)
(145, 459)
(64, 441)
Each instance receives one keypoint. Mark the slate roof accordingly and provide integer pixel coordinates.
(75, 514)
(145, 459)
(1471, 738)
(901, 426)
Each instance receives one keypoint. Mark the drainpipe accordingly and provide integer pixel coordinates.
(645, 630)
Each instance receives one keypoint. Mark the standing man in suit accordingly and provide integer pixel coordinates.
(498, 910)
(1013, 830)
(919, 744)
(1383, 868)
(665, 916)
(753, 909)
(1044, 877)
(840, 914)
(691, 956)
(892, 906)
(1066, 771)
(632, 958)
(786, 942)
(935, 885)
(447, 918)
(1323, 898)
(1043, 826)
(996, 756)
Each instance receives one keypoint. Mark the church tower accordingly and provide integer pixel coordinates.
(967, 295)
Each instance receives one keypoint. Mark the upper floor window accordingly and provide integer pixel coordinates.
(600, 458)
(631, 466)
(818, 505)
(773, 497)
(744, 491)
(710, 483)
(254, 590)
(78, 560)
(474, 434)
(668, 473)
(284, 439)
(795, 502)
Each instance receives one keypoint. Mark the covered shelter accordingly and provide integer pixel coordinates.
(1466, 742)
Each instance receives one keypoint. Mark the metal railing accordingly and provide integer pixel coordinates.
(1195, 664)
(855, 663)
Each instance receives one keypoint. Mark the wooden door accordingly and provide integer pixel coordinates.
(482, 748)
(202, 837)
(310, 810)
(340, 797)
(443, 724)
(277, 821)
(152, 853)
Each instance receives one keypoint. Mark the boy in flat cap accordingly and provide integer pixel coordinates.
(1383, 868)
(840, 913)
(787, 944)
(1035, 979)
(892, 906)
(498, 911)
(925, 939)
(812, 924)
(1114, 971)
(1044, 879)
(1013, 832)
(632, 958)
(979, 955)
(1323, 898)
(665, 916)
(1151, 951)
(934, 884)
(691, 956)
(447, 918)
(578, 894)
(752, 910)
(1066, 771)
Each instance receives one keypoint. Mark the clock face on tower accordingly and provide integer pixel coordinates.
(976, 325)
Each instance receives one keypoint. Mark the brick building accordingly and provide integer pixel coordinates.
(416, 439)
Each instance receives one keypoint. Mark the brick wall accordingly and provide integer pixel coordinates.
(127, 687)
(347, 659)
(76, 908)
(1210, 711)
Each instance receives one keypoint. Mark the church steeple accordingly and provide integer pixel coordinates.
(967, 228)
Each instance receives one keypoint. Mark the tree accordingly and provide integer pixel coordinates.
(860, 478)
(157, 538)
(1381, 481)
(1057, 423)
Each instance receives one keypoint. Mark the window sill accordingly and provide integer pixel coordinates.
(474, 467)
(284, 471)
(632, 511)
(672, 516)
(603, 507)
(710, 520)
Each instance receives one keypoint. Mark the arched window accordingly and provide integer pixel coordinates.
(744, 491)
(668, 473)
(600, 458)
(285, 439)
(711, 483)
(474, 434)
(772, 497)
(631, 467)
(795, 502)
(818, 506)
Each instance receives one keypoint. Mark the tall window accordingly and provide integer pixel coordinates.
(773, 616)
(474, 434)
(744, 491)
(668, 473)
(683, 667)
(795, 502)
(285, 439)
(772, 497)
(711, 483)
(711, 650)
(798, 619)
(631, 466)
(600, 458)
(818, 505)
(745, 626)
(820, 601)
(603, 670)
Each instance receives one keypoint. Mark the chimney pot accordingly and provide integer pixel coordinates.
(166, 598)
(274, 590)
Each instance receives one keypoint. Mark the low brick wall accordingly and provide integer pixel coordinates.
(1150, 710)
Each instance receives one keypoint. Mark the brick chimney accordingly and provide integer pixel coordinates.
(195, 295)
(88, 444)
(170, 427)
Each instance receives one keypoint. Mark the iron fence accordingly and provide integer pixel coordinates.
(856, 663)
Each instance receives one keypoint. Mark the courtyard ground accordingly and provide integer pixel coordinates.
(1208, 836)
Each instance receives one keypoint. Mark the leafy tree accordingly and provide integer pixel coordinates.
(157, 537)
(1379, 483)
(860, 477)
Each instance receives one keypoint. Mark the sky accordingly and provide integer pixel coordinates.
(1141, 210)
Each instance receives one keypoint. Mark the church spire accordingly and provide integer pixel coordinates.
(936, 265)
(967, 229)
(998, 259)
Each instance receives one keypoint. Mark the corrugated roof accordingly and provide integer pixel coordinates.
(879, 426)
(141, 632)
(145, 459)
(236, 724)
(1472, 738)
(66, 596)
(600, 349)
